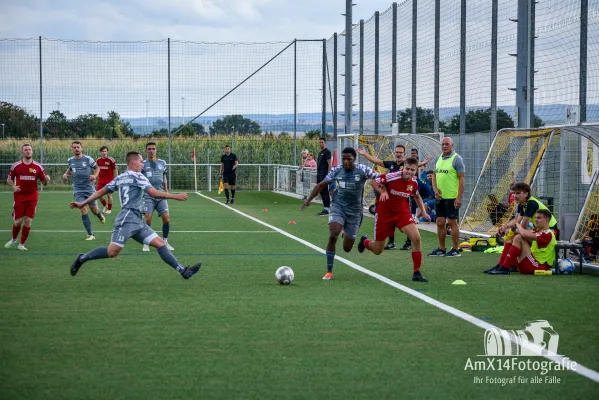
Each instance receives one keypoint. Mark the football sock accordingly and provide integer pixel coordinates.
(330, 260)
(165, 230)
(96, 254)
(367, 243)
(87, 223)
(103, 202)
(511, 260)
(109, 206)
(170, 259)
(391, 239)
(233, 193)
(15, 232)
(504, 253)
(25, 234)
(227, 193)
(417, 260)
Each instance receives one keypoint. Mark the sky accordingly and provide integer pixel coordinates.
(216, 44)
(194, 20)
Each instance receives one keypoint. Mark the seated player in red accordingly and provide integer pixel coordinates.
(393, 211)
(22, 178)
(539, 255)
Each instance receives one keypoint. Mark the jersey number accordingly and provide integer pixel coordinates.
(124, 195)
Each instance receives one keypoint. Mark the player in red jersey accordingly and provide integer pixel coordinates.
(393, 210)
(22, 178)
(108, 171)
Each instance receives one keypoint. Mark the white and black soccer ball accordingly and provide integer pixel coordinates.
(566, 266)
(284, 275)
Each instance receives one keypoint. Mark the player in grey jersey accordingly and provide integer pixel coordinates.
(131, 186)
(155, 170)
(347, 207)
(84, 172)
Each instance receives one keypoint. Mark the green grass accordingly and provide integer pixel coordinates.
(131, 328)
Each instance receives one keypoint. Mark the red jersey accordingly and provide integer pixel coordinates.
(107, 166)
(399, 191)
(26, 176)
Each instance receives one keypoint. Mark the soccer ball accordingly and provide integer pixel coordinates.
(284, 275)
(566, 266)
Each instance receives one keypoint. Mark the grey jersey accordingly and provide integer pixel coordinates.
(81, 169)
(131, 186)
(154, 171)
(350, 186)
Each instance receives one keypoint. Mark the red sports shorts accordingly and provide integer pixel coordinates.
(384, 227)
(100, 185)
(24, 206)
(529, 265)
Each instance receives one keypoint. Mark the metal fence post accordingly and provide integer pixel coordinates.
(462, 75)
(259, 170)
(582, 84)
(170, 160)
(349, 69)
(209, 172)
(335, 85)
(295, 102)
(41, 108)
(324, 87)
(494, 11)
(522, 59)
(437, 63)
(414, 55)
(361, 100)
(394, 66)
(376, 73)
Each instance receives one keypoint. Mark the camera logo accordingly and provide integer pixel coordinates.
(537, 339)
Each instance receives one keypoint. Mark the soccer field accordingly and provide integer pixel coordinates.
(132, 328)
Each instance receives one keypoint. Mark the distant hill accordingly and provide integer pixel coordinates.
(551, 114)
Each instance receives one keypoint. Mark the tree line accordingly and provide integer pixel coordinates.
(19, 123)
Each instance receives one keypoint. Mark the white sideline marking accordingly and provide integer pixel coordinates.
(82, 231)
(564, 361)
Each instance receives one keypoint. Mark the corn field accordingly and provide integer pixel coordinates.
(249, 150)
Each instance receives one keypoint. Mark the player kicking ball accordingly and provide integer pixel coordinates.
(347, 207)
(129, 223)
(393, 210)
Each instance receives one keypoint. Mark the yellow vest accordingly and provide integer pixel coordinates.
(552, 221)
(546, 255)
(447, 177)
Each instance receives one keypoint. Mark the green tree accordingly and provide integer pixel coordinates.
(425, 121)
(480, 121)
(235, 124)
(91, 125)
(284, 135)
(17, 121)
(190, 130)
(57, 126)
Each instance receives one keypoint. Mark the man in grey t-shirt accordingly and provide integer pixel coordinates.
(84, 171)
(155, 170)
(131, 186)
(347, 207)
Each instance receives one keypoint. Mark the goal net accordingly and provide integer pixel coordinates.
(383, 148)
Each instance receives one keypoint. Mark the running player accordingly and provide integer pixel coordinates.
(108, 171)
(393, 211)
(22, 178)
(85, 171)
(347, 206)
(155, 170)
(131, 185)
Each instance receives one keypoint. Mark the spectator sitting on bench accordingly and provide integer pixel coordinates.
(527, 207)
(539, 255)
